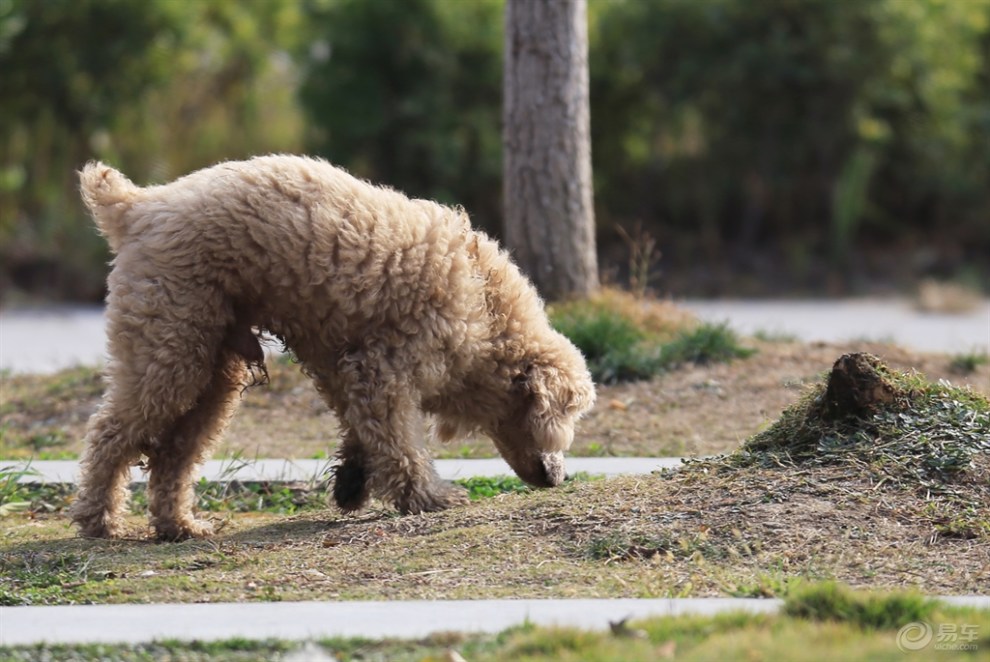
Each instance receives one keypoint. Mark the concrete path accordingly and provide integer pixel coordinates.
(299, 621)
(67, 471)
(44, 340)
(855, 319)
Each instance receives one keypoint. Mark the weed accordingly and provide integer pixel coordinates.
(762, 586)
(483, 487)
(643, 257)
(957, 520)
(599, 333)
(39, 443)
(13, 495)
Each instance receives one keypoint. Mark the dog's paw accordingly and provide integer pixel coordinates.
(438, 495)
(183, 530)
(102, 530)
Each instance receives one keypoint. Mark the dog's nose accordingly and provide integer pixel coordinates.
(553, 469)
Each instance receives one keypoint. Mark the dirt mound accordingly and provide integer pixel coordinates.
(897, 424)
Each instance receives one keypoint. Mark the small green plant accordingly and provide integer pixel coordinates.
(485, 486)
(13, 494)
(762, 586)
(708, 343)
(624, 547)
(481, 487)
(39, 443)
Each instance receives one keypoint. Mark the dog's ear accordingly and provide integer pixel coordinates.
(548, 403)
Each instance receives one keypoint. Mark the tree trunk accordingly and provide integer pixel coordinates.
(549, 219)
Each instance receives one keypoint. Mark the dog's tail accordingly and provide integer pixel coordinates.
(108, 194)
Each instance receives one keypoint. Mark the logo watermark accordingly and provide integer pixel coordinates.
(943, 637)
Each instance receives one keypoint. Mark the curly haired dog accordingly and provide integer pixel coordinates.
(394, 307)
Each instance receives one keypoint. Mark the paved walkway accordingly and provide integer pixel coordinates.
(854, 319)
(67, 471)
(300, 621)
(47, 339)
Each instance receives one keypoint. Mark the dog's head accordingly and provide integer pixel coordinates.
(548, 392)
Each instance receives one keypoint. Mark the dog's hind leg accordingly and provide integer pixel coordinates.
(105, 472)
(173, 465)
(162, 357)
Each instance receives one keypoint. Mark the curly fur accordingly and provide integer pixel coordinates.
(395, 307)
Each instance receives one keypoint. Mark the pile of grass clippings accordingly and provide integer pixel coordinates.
(899, 425)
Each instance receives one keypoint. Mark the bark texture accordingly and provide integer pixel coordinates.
(549, 217)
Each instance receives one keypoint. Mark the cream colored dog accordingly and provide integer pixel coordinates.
(393, 306)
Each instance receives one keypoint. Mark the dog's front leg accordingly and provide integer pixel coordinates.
(382, 452)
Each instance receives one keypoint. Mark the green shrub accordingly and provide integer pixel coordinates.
(708, 343)
(619, 348)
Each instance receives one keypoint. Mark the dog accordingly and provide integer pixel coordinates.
(395, 307)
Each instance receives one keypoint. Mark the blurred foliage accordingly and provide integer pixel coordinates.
(798, 125)
(409, 93)
(158, 87)
(796, 132)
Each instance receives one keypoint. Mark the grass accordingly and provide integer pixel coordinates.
(832, 602)
(818, 622)
(34, 411)
(42, 578)
(628, 339)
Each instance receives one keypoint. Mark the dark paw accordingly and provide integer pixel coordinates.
(350, 486)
